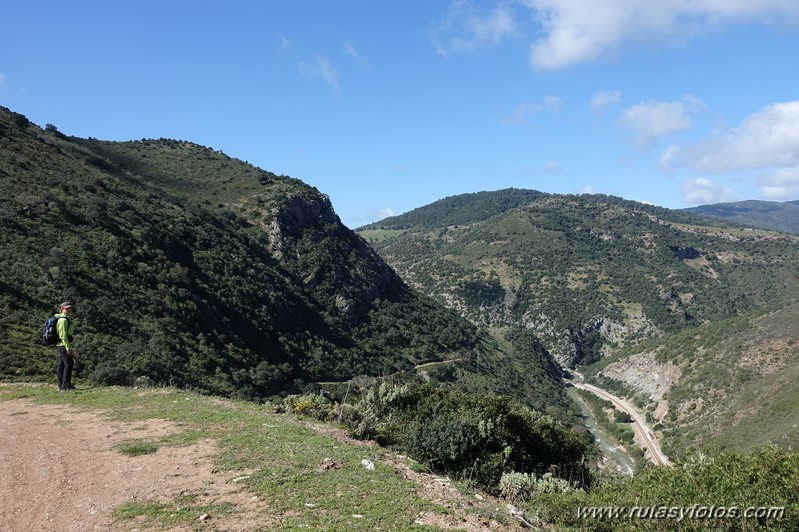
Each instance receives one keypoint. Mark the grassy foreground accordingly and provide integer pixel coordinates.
(279, 454)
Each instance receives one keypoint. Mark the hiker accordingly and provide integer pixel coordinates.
(66, 353)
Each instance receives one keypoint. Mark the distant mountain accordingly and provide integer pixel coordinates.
(191, 268)
(588, 273)
(777, 216)
(694, 317)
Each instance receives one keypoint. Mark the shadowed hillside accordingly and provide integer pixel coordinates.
(194, 269)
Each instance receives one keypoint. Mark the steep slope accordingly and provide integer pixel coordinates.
(726, 385)
(773, 215)
(589, 274)
(692, 318)
(195, 269)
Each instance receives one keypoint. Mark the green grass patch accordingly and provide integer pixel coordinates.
(286, 463)
(182, 511)
(136, 448)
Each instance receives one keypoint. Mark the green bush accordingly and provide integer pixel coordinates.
(311, 405)
(470, 437)
(767, 478)
(109, 374)
(517, 487)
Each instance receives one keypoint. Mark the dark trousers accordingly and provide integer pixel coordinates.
(64, 369)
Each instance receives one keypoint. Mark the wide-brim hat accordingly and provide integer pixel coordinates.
(66, 304)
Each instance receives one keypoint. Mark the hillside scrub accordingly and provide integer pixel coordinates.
(190, 268)
(767, 478)
(599, 281)
(470, 437)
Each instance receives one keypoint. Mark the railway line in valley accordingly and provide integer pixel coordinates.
(652, 449)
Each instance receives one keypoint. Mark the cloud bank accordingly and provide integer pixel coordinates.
(766, 142)
(651, 121)
(702, 190)
(579, 31)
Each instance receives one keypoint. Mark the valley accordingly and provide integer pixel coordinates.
(686, 316)
(447, 333)
(644, 437)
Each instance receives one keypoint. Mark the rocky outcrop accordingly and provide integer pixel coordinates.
(644, 374)
(307, 237)
(295, 213)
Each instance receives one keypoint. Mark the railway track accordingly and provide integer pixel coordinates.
(640, 426)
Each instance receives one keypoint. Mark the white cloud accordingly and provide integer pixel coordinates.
(604, 99)
(467, 28)
(321, 68)
(519, 115)
(651, 121)
(552, 103)
(551, 167)
(578, 31)
(782, 185)
(356, 54)
(379, 214)
(768, 138)
(2, 79)
(669, 158)
(703, 190)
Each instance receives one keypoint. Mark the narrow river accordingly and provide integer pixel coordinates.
(617, 458)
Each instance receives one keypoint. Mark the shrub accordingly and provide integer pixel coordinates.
(109, 374)
(471, 437)
(517, 487)
(765, 479)
(311, 405)
(143, 382)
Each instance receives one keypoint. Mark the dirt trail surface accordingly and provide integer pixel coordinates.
(59, 470)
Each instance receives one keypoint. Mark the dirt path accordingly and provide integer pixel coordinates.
(59, 470)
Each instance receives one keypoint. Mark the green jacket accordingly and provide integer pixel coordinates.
(66, 330)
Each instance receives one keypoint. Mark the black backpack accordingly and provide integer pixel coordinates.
(50, 330)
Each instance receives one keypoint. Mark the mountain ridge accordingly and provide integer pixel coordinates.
(195, 269)
(662, 306)
(772, 215)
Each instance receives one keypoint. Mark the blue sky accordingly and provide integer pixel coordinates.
(388, 106)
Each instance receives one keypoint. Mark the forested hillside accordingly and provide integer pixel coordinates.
(693, 318)
(191, 268)
(587, 273)
(774, 215)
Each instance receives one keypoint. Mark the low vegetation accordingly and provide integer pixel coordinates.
(765, 481)
(475, 438)
(313, 480)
